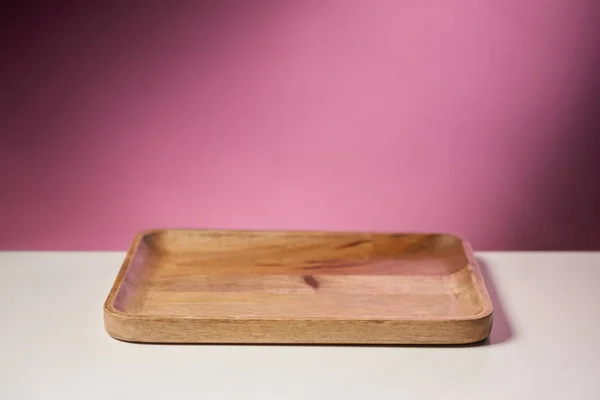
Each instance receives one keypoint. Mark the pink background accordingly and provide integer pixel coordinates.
(478, 118)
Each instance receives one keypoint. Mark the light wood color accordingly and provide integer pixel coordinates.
(214, 286)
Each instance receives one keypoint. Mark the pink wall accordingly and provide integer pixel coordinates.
(472, 117)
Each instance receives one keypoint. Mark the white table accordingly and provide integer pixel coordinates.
(544, 344)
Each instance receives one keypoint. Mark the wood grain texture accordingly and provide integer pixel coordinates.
(211, 286)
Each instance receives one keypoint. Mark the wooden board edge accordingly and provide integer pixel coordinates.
(296, 331)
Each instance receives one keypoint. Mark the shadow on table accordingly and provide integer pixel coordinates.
(501, 329)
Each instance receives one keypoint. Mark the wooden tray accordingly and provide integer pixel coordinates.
(208, 286)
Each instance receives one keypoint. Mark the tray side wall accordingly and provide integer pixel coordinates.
(297, 331)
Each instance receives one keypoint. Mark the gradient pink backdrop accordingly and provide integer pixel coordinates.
(478, 118)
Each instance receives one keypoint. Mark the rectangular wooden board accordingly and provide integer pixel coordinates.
(219, 286)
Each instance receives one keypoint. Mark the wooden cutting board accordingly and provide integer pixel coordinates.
(219, 286)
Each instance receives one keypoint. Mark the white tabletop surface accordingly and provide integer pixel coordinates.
(544, 344)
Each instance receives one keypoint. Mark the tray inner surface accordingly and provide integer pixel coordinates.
(271, 275)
